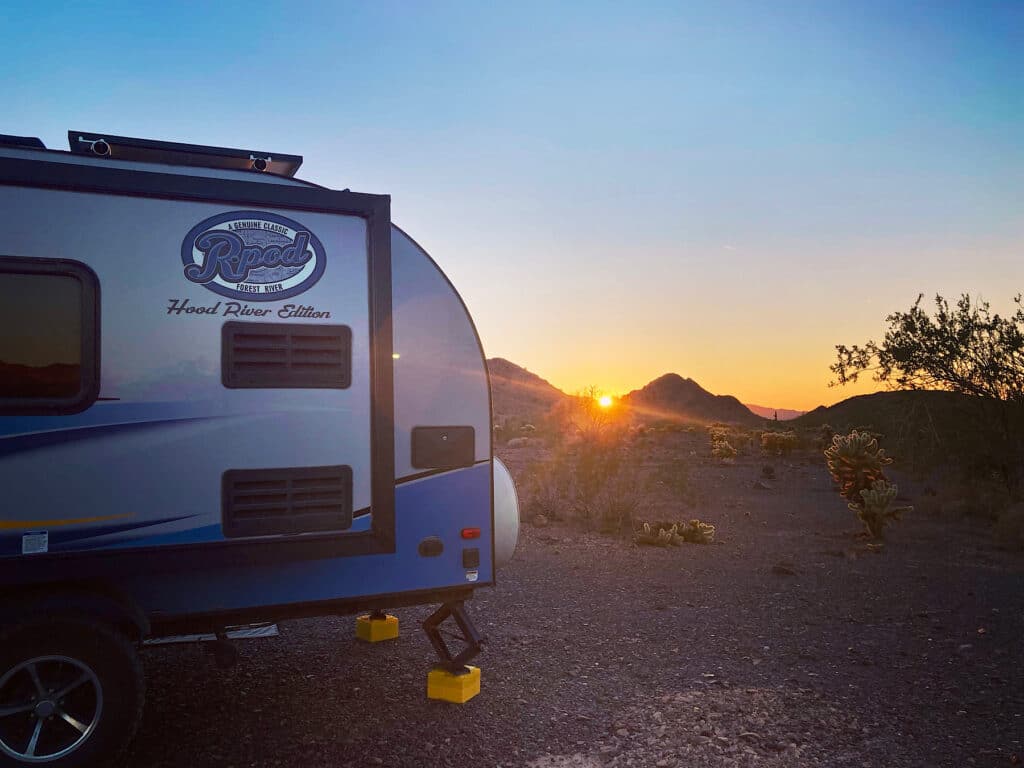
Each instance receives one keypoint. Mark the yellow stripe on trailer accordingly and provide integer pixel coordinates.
(13, 525)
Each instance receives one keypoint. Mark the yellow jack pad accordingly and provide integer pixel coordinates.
(456, 689)
(375, 630)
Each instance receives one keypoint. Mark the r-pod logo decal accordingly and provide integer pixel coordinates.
(253, 256)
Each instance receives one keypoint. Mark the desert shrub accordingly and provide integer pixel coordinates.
(779, 443)
(548, 486)
(595, 464)
(966, 349)
(856, 464)
(593, 476)
(617, 503)
(820, 438)
(982, 496)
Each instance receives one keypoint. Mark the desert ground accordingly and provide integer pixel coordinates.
(786, 642)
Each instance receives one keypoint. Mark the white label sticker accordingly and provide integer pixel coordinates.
(35, 543)
(472, 575)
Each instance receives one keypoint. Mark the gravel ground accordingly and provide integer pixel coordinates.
(785, 644)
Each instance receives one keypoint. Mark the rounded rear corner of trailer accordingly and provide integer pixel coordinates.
(443, 414)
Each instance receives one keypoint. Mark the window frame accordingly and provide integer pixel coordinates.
(89, 359)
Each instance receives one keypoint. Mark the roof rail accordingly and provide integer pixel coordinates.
(30, 142)
(173, 153)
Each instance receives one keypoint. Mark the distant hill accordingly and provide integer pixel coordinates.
(517, 393)
(917, 427)
(672, 396)
(769, 413)
(887, 411)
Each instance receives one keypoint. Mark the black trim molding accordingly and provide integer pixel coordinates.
(376, 210)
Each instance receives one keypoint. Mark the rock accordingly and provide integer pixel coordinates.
(540, 521)
(623, 732)
(783, 569)
(761, 485)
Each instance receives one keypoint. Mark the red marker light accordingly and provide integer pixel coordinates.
(471, 533)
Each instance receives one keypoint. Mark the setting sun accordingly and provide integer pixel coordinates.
(605, 401)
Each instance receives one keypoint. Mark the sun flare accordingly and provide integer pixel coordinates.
(605, 401)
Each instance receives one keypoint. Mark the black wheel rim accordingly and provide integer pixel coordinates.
(49, 707)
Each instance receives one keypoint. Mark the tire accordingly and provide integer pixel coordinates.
(95, 678)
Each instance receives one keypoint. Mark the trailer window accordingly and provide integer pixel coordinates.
(49, 340)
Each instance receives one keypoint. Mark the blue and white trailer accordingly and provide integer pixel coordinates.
(227, 396)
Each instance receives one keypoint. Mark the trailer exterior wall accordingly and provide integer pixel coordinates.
(152, 460)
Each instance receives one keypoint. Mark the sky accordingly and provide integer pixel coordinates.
(725, 190)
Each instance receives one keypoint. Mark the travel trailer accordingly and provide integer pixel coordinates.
(227, 397)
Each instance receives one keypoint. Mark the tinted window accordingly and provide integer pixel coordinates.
(47, 342)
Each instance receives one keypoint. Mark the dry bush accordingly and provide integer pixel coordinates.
(983, 495)
(779, 443)
(548, 485)
(593, 476)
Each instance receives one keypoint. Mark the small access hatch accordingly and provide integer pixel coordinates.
(443, 447)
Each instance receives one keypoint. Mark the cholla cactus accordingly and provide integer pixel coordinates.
(698, 532)
(876, 510)
(649, 536)
(674, 534)
(720, 446)
(855, 462)
(722, 450)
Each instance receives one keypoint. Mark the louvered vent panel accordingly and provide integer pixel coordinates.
(268, 502)
(271, 355)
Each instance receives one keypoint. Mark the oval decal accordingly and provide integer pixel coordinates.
(253, 255)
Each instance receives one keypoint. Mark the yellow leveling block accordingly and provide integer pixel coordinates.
(457, 689)
(374, 630)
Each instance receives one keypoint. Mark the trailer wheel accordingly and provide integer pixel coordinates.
(71, 693)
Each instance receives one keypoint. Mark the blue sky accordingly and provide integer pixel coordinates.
(725, 189)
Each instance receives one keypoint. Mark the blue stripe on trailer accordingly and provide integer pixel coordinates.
(61, 540)
(441, 506)
(34, 440)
